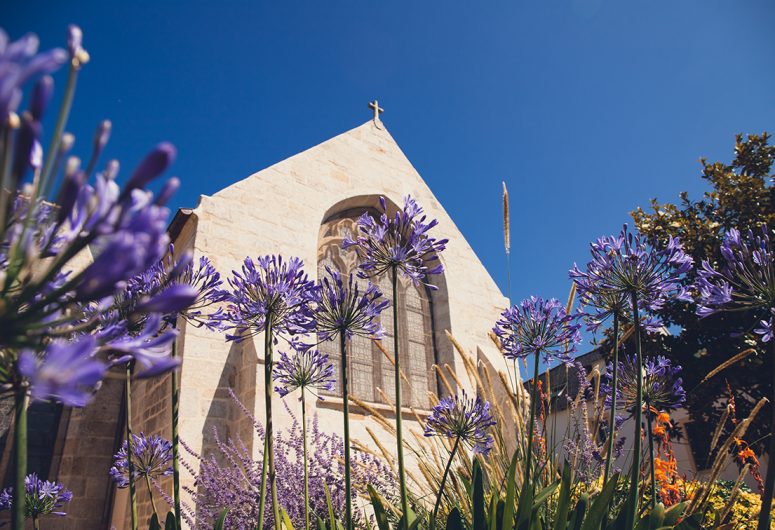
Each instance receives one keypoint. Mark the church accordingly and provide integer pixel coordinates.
(302, 206)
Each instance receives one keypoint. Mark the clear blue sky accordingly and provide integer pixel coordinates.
(587, 108)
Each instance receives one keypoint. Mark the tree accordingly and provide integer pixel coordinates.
(743, 197)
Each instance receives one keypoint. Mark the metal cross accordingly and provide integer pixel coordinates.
(374, 105)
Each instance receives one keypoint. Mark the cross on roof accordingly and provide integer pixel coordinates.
(374, 105)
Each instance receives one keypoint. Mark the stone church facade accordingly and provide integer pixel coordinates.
(302, 206)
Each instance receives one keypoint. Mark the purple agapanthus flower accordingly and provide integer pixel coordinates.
(271, 290)
(42, 497)
(67, 372)
(662, 384)
(307, 368)
(206, 281)
(468, 419)
(745, 281)
(148, 347)
(537, 325)
(151, 457)
(348, 309)
(401, 243)
(21, 63)
(626, 265)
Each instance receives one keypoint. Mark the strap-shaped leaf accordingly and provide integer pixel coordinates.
(153, 523)
(563, 504)
(479, 516)
(221, 520)
(455, 520)
(379, 509)
(169, 522)
(511, 489)
(600, 506)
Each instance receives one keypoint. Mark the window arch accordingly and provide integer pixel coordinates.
(369, 369)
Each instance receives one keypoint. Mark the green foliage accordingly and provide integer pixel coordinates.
(742, 196)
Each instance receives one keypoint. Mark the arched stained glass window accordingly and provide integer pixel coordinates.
(371, 373)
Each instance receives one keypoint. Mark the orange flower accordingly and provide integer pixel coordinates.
(663, 418)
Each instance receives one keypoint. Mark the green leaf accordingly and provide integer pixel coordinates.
(286, 521)
(600, 506)
(153, 523)
(478, 507)
(331, 519)
(380, 514)
(414, 521)
(525, 507)
(221, 520)
(577, 517)
(169, 522)
(674, 513)
(544, 494)
(511, 487)
(563, 504)
(657, 517)
(455, 520)
(493, 511)
(321, 524)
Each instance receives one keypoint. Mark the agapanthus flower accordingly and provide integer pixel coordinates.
(626, 265)
(42, 497)
(67, 372)
(45, 294)
(662, 384)
(745, 281)
(151, 457)
(598, 300)
(21, 63)
(537, 325)
(206, 282)
(272, 290)
(306, 368)
(348, 309)
(401, 243)
(468, 419)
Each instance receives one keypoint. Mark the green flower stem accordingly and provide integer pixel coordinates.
(306, 464)
(765, 515)
(443, 481)
(612, 419)
(348, 501)
(651, 456)
(175, 438)
(59, 128)
(130, 467)
(20, 447)
(268, 363)
(399, 434)
(150, 493)
(531, 424)
(638, 413)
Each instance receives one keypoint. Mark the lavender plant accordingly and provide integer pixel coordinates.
(274, 297)
(626, 266)
(465, 420)
(231, 477)
(146, 457)
(745, 282)
(49, 214)
(345, 311)
(400, 244)
(40, 497)
(307, 369)
(542, 328)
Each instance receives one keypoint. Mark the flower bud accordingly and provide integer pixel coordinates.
(41, 95)
(153, 165)
(166, 193)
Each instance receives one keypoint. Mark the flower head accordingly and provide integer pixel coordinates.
(462, 417)
(401, 243)
(346, 309)
(745, 281)
(151, 457)
(662, 386)
(274, 291)
(306, 368)
(67, 372)
(206, 281)
(626, 265)
(535, 326)
(42, 497)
